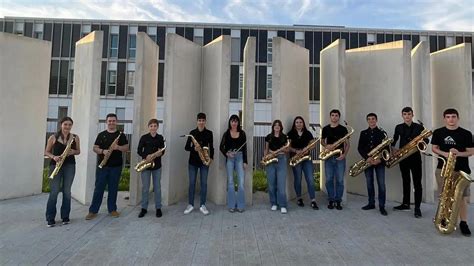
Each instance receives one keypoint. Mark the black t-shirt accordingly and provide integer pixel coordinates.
(228, 143)
(205, 139)
(275, 143)
(148, 145)
(333, 134)
(104, 140)
(459, 139)
(299, 142)
(58, 149)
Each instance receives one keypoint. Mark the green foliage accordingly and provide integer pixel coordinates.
(45, 188)
(316, 178)
(259, 180)
(124, 183)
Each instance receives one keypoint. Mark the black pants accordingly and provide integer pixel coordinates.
(413, 164)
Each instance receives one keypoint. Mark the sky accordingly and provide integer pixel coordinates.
(449, 15)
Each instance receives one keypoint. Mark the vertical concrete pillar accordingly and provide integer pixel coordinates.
(378, 79)
(333, 91)
(182, 100)
(24, 74)
(144, 103)
(248, 110)
(85, 111)
(451, 81)
(290, 93)
(215, 104)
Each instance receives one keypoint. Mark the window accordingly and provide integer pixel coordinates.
(130, 78)
(120, 112)
(132, 46)
(241, 82)
(38, 31)
(270, 36)
(269, 82)
(112, 79)
(171, 30)
(114, 45)
(71, 77)
(199, 36)
(86, 29)
(449, 41)
(370, 38)
(151, 31)
(62, 113)
(299, 38)
(19, 28)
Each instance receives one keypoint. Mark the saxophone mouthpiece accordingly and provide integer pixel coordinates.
(419, 122)
(182, 136)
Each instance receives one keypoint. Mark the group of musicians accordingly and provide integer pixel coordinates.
(111, 143)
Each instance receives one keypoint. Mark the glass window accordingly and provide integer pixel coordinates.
(235, 49)
(71, 80)
(19, 28)
(269, 82)
(449, 41)
(38, 31)
(112, 84)
(114, 45)
(171, 30)
(132, 46)
(299, 38)
(120, 112)
(370, 38)
(241, 82)
(130, 82)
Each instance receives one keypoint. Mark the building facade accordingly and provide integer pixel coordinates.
(119, 49)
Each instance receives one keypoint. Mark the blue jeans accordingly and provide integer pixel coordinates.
(193, 171)
(66, 177)
(335, 172)
(235, 164)
(307, 168)
(109, 176)
(156, 174)
(276, 178)
(369, 175)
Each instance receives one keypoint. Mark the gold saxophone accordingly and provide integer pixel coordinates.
(272, 157)
(451, 197)
(326, 154)
(145, 164)
(107, 156)
(203, 152)
(410, 148)
(376, 153)
(63, 158)
(304, 154)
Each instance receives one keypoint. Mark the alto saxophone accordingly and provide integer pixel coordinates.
(107, 156)
(272, 157)
(451, 197)
(410, 148)
(304, 154)
(376, 153)
(63, 158)
(203, 152)
(326, 154)
(145, 164)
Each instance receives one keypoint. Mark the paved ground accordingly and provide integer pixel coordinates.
(257, 236)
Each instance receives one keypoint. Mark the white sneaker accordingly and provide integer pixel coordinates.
(274, 208)
(189, 209)
(204, 210)
(283, 210)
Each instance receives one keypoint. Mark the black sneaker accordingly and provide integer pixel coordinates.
(418, 213)
(331, 205)
(383, 211)
(464, 228)
(300, 203)
(402, 207)
(159, 213)
(314, 205)
(66, 221)
(51, 223)
(338, 205)
(368, 207)
(142, 213)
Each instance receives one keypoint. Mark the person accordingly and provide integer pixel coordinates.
(369, 139)
(276, 172)
(109, 174)
(55, 147)
(234, 147)
(204, 138)
(300, 137)
(455, 139)
(335, 166)
(407, 131)
(149, 144)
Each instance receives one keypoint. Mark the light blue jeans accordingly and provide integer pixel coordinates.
(156, 187)
(276, 178)
(305, 167)
(235, 200)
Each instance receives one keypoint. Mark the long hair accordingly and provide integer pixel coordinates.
(293, 127)
(234, 118)
(66, 118)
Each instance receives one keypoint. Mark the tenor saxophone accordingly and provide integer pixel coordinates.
(145, 164)
(203, 152)
(107, 156)
(272, 157)
(63, 158)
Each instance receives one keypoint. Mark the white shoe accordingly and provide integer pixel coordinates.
(189, 209)
(204, 210)
(274, 208)
(283, 210)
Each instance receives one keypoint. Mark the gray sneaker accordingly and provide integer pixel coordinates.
(189, 209)
(204, 210)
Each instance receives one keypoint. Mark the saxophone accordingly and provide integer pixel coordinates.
(145, 164)
(304, 154)
(410, 148)
(203, 152)
(63, 158)
(107, 156)
(326, 154)
(451, 197)
(376, 153)
(272, 157)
